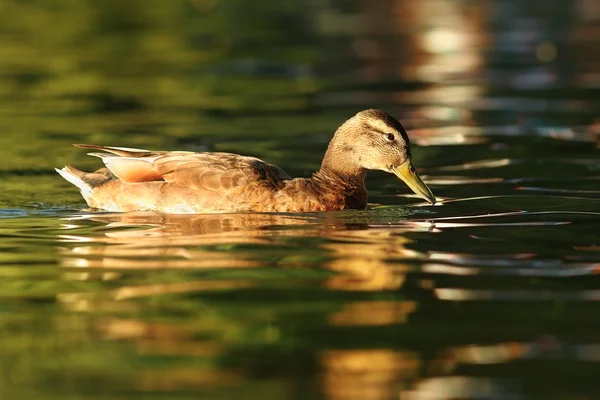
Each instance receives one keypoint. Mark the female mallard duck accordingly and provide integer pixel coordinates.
(188, 182)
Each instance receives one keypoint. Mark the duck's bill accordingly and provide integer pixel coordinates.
(408, 173)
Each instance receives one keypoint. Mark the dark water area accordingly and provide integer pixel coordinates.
(492, 294)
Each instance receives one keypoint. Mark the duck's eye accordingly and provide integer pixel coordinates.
(390, 137)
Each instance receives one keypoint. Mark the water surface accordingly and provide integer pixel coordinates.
(491, 294)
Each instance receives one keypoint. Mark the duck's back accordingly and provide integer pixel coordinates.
(178, 182)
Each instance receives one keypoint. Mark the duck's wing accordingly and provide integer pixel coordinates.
(217, 171)
(198, 171)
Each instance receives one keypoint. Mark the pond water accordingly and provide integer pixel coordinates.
(491, 294)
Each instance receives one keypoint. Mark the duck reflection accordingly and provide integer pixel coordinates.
(110, 247)
(363, 259)
(127, 241)
(187, 227)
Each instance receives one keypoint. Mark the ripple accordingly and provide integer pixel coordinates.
(555, 190)
(478, 165)
(456, 294)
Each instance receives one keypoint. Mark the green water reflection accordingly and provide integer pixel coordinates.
(491, 294)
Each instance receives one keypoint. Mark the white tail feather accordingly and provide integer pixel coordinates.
(84, 188)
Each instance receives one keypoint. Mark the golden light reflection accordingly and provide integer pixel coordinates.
(170, 340)
(373, 313)
(123, 257)
(452, 39)
(369, 374)
(131, 329)
(444, 40)
(365, 264)
(173, 378)
(129, 292)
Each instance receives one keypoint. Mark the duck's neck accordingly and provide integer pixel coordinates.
(341, 161)
(340, 172)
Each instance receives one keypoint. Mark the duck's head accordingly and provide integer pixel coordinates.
(373, 139)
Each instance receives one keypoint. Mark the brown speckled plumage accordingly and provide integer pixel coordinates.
(188, 182)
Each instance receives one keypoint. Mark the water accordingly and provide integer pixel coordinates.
(492, 294)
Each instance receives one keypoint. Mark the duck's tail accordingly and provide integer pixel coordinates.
(86, 182)
(75, 176)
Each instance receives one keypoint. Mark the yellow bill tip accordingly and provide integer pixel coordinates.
(408, 173)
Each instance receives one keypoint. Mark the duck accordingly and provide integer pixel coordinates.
(186, 182)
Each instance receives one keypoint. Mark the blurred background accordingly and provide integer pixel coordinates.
(196, 74)
(491, 296)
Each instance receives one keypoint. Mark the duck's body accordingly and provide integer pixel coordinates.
(188, 182)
